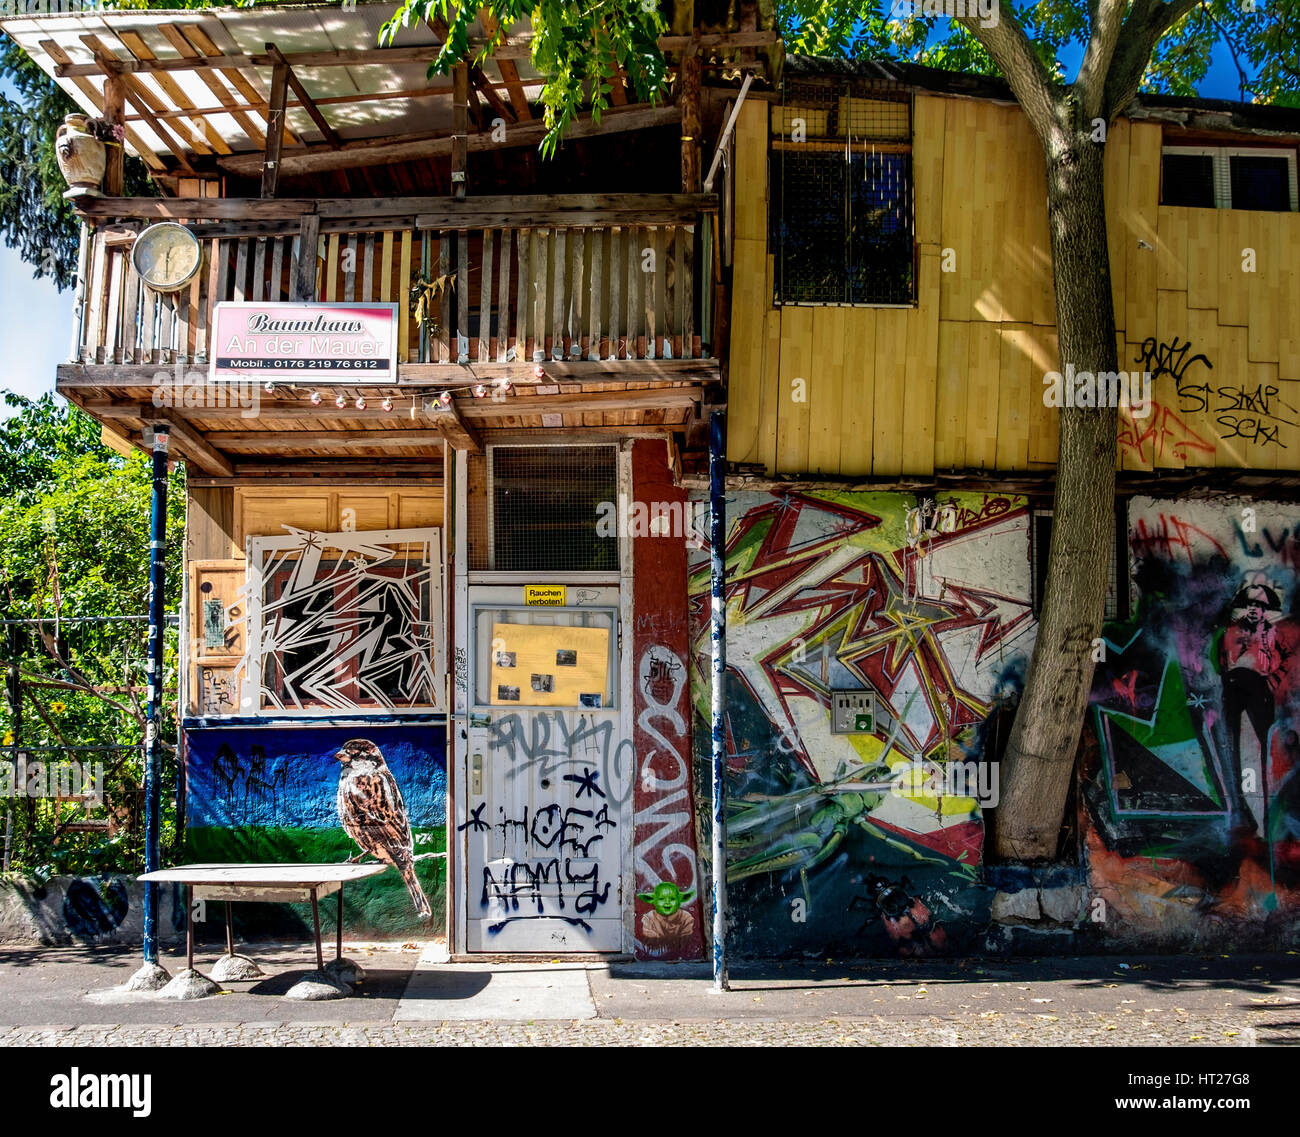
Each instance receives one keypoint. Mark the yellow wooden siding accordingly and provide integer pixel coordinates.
(956, 382)
(262, 512)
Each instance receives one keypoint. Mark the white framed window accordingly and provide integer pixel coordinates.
(1230, 177)
(344, 622)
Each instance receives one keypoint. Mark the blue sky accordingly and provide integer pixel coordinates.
(36, 319)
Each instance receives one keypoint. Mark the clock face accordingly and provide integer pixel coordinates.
(166, 256)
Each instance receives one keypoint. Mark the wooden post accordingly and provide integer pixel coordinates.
(275, 129)
(460, 125)
(114, 112)
(303, 286)
(691, 126)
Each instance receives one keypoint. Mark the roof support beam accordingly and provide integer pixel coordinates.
(275, 130)
(133, 96)
(298, 89)
(458, 433)
(316, 159)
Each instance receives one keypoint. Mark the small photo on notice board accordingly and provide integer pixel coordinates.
(549, 666)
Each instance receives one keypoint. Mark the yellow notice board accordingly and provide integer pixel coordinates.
(546, 595)
(549, 666)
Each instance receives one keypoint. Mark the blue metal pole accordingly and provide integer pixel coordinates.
(718, 638)
(153, 705)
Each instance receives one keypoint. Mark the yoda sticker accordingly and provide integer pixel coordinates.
(669, 920)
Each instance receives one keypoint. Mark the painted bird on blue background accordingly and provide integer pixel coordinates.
(374, 815)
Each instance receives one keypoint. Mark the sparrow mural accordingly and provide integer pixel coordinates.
(374, 815)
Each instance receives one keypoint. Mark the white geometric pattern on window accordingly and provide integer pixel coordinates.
(344, 622)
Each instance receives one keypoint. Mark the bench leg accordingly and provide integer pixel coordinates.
(315, 919)
(230, 932)
(189, 927)
(338, 947)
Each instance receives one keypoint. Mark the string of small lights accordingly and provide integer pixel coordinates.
(444, 393)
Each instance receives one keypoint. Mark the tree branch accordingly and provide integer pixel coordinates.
(1146, 23)
(1090, 83)
(1014, 54)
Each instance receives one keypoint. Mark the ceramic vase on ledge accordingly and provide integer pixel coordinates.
(82, 157)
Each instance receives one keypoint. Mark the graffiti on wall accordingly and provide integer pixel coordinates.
(1190, 765)
(667, 909)
(327, 794)
(1255, 413)
(542, 834)
(849, 840)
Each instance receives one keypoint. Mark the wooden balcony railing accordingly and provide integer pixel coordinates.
(505, 280)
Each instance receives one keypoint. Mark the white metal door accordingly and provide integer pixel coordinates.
(547, 773)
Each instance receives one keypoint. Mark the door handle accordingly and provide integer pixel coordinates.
(476, 775)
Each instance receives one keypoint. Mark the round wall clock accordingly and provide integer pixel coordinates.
(166, 256)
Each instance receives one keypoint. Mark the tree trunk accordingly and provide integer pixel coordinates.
(1039, 758)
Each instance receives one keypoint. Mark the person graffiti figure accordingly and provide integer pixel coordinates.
(669, 920)
(1250, 662)
(374, 815)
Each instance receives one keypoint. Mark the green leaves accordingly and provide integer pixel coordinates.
(576, 45)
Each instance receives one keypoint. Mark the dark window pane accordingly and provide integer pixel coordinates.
(880, 228)
(842, 227)
(1260, 182)
(547, 508)
(809, 227)
(1188, 180)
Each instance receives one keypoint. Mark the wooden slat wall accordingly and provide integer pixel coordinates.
(956, 382)
(259, 511)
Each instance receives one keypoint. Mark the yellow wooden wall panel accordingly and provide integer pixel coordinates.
(1263, 287)
(1287, 453)
(888, 423)
(1230, 370)
(920, 372)
(1115, 178)
(266, 513)
(1191, 418)
(770, 388)
(1044, 421)
(1015, 377)
(957, 288)
(857, 394)
(1172, 320)
(1262, 423)
(1017, 253)
(1042, 286)
(1140, 223)
(746, 375)
(982, 396)
(750, 179)
(1233, 287)
(985, 181)
(928, 116)
(364, 511)
(1202, 257)
(950, 396)
(1171, 249)
(1288, 298)
(419, 510)
(793, 392)
(826, 390)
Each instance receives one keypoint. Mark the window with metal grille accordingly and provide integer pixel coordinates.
(1220, 177)
(840, 172)
(547, 503)
(1117, 599)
